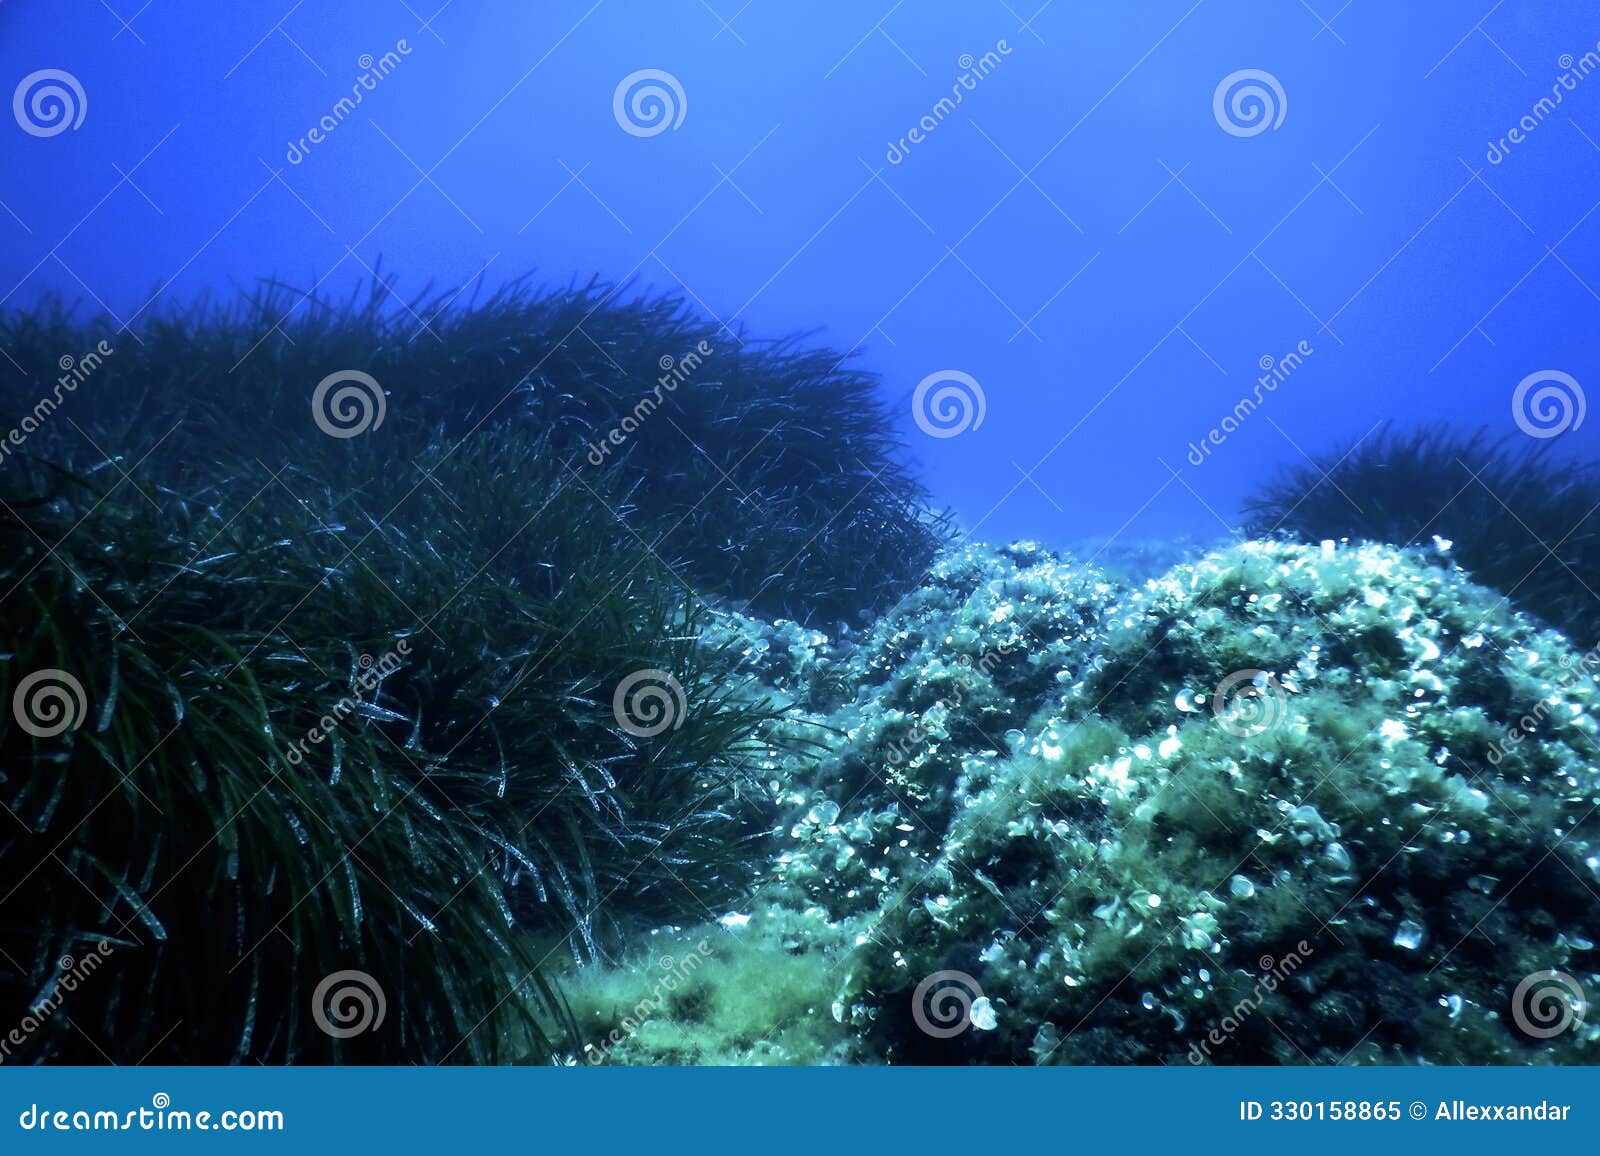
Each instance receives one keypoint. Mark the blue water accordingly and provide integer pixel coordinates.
(1081, 235)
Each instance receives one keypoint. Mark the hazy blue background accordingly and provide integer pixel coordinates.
(1082, 237)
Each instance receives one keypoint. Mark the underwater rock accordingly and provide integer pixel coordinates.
(1373, 822)
(940, 682)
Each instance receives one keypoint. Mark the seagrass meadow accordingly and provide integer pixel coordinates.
(558, 677)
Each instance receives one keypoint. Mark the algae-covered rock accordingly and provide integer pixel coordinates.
(1303, 806)
(1283, 804)
(945, 678)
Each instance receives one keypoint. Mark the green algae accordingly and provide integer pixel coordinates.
(1356, 853)
(756, 994)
